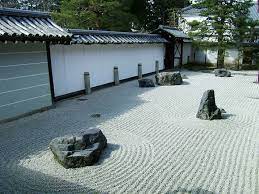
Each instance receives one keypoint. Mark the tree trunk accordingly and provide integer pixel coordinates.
(221, 51)
(221, 57)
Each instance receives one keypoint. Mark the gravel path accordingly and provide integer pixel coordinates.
(156, 145)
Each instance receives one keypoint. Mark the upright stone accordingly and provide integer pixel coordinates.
(116, 76)
(157, 68)
(208, 109)
(139, 71)
(87, 83)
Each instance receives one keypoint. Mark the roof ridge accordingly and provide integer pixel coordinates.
(106, 32)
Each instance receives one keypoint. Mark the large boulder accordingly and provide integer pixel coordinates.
(146, 83)
(208, 109)
(222, 73)
(169, 78)
(79, 150)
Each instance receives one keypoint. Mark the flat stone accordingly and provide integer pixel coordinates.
(146, 83)
(169, 78)
(79, 150)
(208, 109)
(222, 73)
(97, 115)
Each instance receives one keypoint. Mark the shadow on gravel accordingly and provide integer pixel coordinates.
(194, 191)
(30, 135)
(185, 83)
(23, 180)
(227, 115)
(107, 152)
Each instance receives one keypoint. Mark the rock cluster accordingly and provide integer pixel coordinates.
(222, 73)
(208, 109)
(146, 83)
(79, 150)
(169, 78)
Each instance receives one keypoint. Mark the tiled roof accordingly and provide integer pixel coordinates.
(111, 37)
(29, 25)
(254, 12)
(172, 31)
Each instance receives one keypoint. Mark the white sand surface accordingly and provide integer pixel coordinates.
(156, 144)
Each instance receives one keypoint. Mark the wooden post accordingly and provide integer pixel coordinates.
(116, 76)
(173, 51)
(139, 71)
(87, 83)
(157, 67)
(181, 56)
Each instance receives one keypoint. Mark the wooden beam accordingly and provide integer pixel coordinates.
(181, 56)
(50, 72)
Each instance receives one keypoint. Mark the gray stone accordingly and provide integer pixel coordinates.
(222, 73)
(169, 78)
(79, 150)
(97, 115)
(146, 83)
(208, 109)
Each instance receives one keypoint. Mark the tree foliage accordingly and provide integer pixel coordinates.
(227, 22)
(140, 15)
(163, 12)
(39, 5)
(121, 15)
(95, 14)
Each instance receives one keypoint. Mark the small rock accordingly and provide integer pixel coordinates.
(208, 109)
(146, 83)
(169, 78)
(79, 150)
(222, 73)
(96, 115)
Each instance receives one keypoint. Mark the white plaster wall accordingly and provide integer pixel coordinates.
(212, 56)
(69, 62)
(187, 50)
(231, 56)
(199, 56)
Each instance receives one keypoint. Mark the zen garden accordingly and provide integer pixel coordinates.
(129, 96)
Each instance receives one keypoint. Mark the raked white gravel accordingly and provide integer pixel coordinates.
(156, 144)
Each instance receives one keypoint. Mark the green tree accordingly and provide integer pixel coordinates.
(226, 23)
(9, 3)
(163, 12)
(244, 27)
(95, 14)
(39, 5)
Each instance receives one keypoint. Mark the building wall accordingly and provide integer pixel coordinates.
(210, 56)
(24, 79)
(69, 62)
(187, 52)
